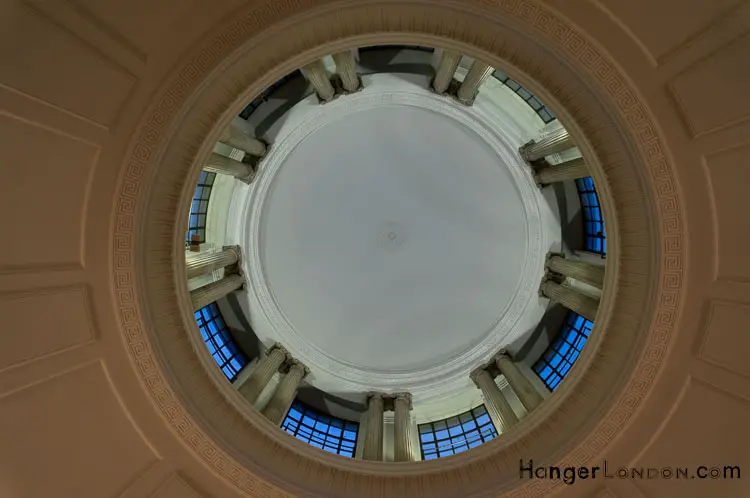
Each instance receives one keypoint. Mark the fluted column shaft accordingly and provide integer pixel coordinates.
(206, 263)
(317, 75)
(285, 392)
(373, 442)
(568, 170)
(556, 142)
(203, 296)
(575, 301)
(446, 69)
(402, 437)
(227, 166)
(499, 409)
(478, 74)
(346, 68)
(263, 373)
(239, 135)
(580, 270)
(529, 397)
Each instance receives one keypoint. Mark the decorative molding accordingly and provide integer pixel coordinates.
(636, 184)
(448, 374)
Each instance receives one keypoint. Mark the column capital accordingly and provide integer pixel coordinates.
(375, 396)
(474, 375)
(504, 352)
(276, 346)
(403, 396)
(549, 277)
(298, 365)
(235, 268)
(237, 250)
(552, 254)
(524, 149)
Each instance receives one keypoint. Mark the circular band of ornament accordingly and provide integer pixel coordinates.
(437, 379)
(548, 56)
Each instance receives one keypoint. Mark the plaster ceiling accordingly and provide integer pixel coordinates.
(394, 240)
(110, 358)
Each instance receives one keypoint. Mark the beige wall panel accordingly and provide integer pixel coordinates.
(687, 21)
(68, 436)
(622, 488)
(48, 176)
(50, 63)
(27, 331)
(705, 109)
(605, 493)
(176, 487)
(142, 23)
(726, 342)
(708, 427)
(728, 176)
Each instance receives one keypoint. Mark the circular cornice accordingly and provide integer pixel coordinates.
(447, 376)
(614, 129)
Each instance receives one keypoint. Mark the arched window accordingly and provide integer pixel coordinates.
(456, 434)
(593, 223)
(219, 342)
(320, 430)
(199, 208)
(528, 97)
(557, 361)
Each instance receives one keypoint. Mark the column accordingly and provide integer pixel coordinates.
(317, 75)
(240, 136)
(203, 296)
(346, 68)
(500, 411)
(446, 68)
(373, 426)
(228, 166)
(285, 392)
(206, 263)
(262, 373)
(580, 270)
(556, 142)
(402, 437)
(568, 170)
(478, 73)
(530, 397)
(575, 301)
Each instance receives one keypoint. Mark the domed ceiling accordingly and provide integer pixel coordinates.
(104, 116)
(395, 239)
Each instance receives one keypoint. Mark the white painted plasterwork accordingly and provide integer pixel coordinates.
(615, 377)
(444, 373)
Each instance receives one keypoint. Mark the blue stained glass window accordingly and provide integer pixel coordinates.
(199, 208)
(564, 350)
(323, 431)
(456, 434)
(528, 97)
(229, 358)
(593, 226)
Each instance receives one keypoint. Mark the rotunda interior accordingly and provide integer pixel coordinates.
(352, 249)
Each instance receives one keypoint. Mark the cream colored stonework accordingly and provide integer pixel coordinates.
(116, 120)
